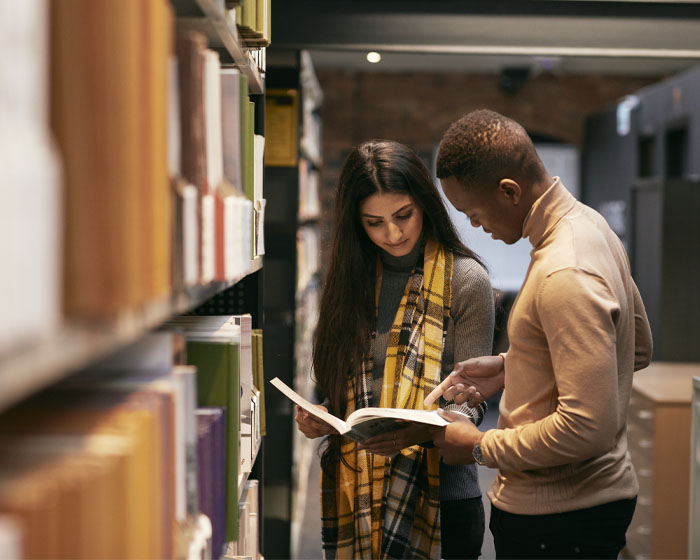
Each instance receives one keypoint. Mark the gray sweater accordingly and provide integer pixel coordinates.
(469, 334)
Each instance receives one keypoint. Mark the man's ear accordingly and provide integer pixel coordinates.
(511, 190)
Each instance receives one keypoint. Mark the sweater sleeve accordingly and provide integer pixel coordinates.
(473, 316)
(577, 312)
(642, 333)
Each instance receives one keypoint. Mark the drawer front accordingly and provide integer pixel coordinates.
(641, 414)
(638, 545)
(641, 448)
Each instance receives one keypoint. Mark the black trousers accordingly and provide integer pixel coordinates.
(597, 532)
(462, 525)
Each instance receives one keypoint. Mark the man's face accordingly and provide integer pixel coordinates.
(491, 209)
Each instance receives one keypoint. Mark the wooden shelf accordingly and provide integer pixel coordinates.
(77, 344)
(222, 34)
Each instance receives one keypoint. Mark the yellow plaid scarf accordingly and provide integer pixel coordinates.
(389, 508)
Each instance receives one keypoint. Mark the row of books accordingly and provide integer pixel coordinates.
(223, 159)
(309, 200)
(312, 99)
(253, 20)
(227, 353)
(160, 182)
(140, 456)
(248, 544)
(308, 255)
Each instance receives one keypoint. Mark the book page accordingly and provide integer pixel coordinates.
(405, 414)
(295, 397)
(368, 422)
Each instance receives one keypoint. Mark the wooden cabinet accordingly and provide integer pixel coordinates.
(694, 518)
(659, 443)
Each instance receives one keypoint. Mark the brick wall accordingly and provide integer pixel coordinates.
(417, 108)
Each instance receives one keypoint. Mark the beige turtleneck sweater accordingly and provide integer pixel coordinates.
(577, 332)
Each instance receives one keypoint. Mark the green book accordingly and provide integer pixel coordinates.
(218, 385)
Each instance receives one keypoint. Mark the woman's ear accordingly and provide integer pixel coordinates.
(511, 190)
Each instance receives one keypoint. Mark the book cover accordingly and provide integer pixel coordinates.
(156, 197)
(96, 112)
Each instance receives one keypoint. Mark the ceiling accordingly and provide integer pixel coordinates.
(565, 36)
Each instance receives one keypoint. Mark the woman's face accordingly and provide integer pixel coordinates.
(392, 221)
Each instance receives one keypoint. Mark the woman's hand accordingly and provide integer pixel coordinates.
(391, 443)
(310, 425)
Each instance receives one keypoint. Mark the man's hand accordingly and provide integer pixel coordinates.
(455, 442)
(310, 425)
(472, 381)
(391, 443)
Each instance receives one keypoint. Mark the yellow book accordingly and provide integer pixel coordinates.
(156, 30)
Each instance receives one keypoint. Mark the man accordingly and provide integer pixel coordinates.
(578, 330)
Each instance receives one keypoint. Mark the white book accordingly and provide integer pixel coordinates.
(245, 323)
(231, 225)
(258, 167)
(208, 249)
(231, 126)
(30, 196)
(364, 423)
(212, 120)
(247, 217)
(255, 410)
(205, 327)
(190, 234)
(187, 376)
(260, 226)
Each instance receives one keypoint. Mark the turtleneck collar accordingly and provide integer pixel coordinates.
(403, 262)
(546, 212)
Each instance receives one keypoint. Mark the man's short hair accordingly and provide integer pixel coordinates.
(483, 147)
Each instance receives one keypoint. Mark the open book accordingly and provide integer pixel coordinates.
(364, 423)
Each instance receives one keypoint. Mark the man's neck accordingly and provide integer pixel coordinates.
(530, 195)
(540, 187)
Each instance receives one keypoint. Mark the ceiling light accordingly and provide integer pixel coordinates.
(373, 57)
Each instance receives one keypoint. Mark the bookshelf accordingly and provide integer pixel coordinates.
(291, 285)
(76, 345)
(100, 398)
(308, 282)
(207, 17)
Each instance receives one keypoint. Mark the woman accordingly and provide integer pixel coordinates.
(403, 301)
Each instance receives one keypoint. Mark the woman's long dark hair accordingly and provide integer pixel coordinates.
(347, 309)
